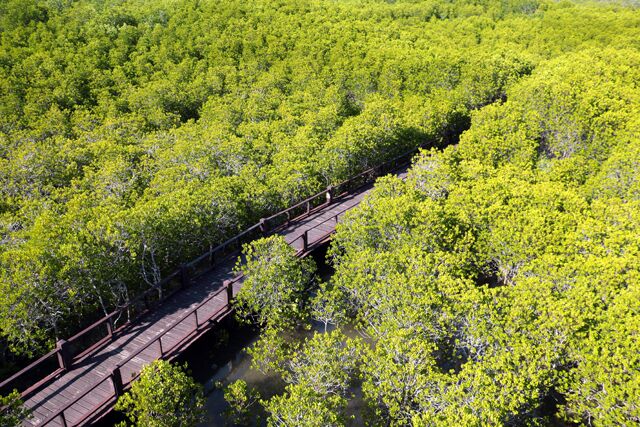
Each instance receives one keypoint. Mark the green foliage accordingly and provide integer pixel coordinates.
(13, 412)
(134, 135)
(272, 350)
(300, 406)
(240, 398)
(325, 364)
(319, 375)
(605, 385)
(498, 282)
(164, 396)
(275, 281)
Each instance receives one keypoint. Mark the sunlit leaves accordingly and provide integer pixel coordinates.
(163, 396)
(498, 282)
(275, 281)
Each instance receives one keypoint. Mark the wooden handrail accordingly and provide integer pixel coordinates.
(4, 384)
(156, 339)
(304, 236)
(91, 327)
(297, 205)
(223, 245)
(61, 411)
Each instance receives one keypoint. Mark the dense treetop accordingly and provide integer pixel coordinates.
(133, 135)
(501, 279)
(498, 284)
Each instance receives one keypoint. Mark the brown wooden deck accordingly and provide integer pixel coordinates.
(87, 384)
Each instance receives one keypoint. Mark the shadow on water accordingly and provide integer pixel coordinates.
(220, 356)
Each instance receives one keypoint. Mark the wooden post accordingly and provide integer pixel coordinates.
(184, 276)
(110, 327)
(263, 226)
(64, 354)
(305, 240)
(329, 194)
(116, 377)
(229, 285)
(308, 207)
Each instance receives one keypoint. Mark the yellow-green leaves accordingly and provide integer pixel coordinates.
(273, 291)
(498, 283)
(163, 396)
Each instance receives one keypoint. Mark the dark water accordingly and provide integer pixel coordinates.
(220, 357)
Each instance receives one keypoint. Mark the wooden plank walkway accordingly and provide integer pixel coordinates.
(89, 387)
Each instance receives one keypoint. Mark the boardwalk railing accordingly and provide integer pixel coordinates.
(303, 244)
(86, 342)
(161, 346)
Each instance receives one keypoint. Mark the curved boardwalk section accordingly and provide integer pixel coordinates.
(87, 381)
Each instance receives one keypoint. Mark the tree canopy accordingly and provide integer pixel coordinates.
(163, 396)
(497, 284)
(499, 281)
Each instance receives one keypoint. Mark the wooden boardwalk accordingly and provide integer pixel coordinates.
(88, 384)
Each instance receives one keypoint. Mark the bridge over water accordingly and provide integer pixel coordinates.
(80, 380)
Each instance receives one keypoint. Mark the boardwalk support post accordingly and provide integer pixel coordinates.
(263, 226)
(64, 354)
(305, 240)
(110, 327)
(184, 275)
(330, 194)
(228, 284)
(116, 377)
